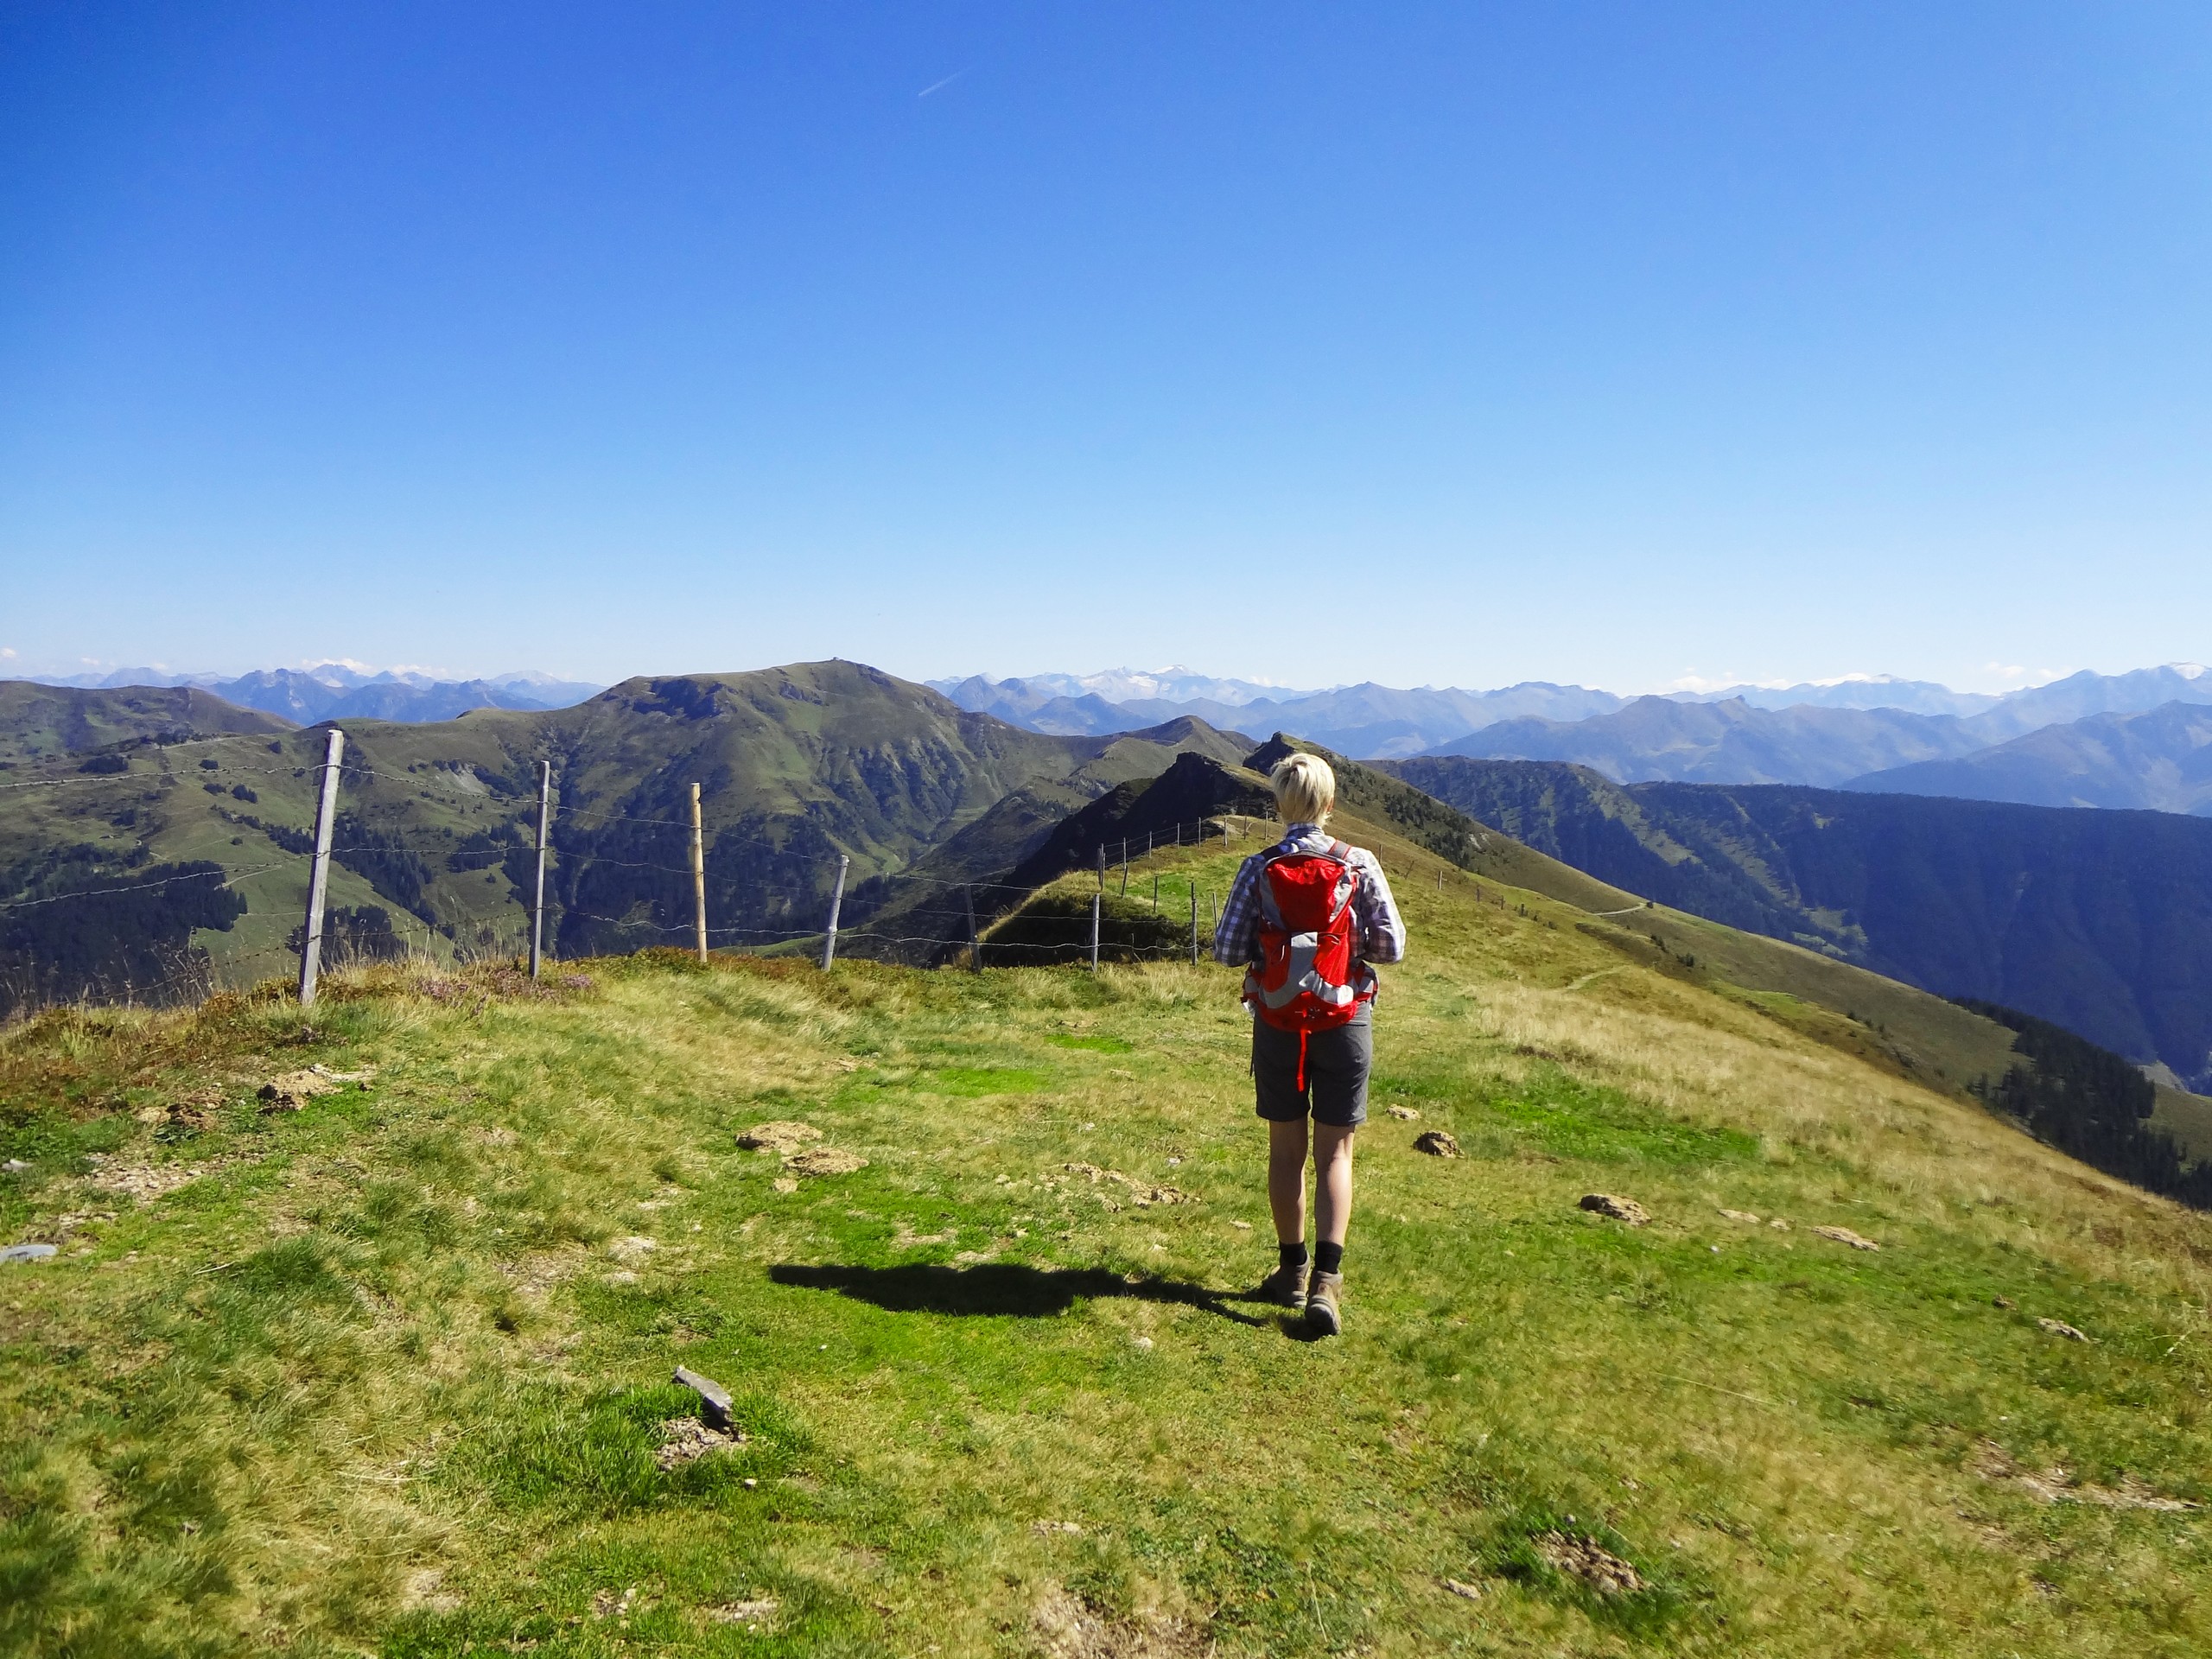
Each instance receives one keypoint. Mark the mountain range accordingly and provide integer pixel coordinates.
(2161, 761)
(341, 691)
(1869, 732)
(2099, 921)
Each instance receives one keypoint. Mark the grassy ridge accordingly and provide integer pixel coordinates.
(390, 1374)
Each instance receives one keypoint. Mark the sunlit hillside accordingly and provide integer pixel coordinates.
(376, 1357)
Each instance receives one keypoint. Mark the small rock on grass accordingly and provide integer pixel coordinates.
(27, 1252)
(1620, 1209)
(1437, 1144)
(744, 1612)
(1845, 1235)
(781, 1136)
(1469, 1591)
(1404, 1114)
(2060, 1328)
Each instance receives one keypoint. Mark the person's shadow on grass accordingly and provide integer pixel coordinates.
(1003, 1289)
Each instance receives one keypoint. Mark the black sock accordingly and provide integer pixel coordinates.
(1328, 1258)
(1293, 1255)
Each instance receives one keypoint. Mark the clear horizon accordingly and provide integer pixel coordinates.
(2024, 681)
(1591, 344)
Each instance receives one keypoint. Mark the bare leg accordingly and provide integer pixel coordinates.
(1286, 1179)
(1333, 1190)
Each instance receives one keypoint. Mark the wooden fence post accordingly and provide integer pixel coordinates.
(974, 950)
(538, 895)
(319, 874)
(698, 873)
(836, 903)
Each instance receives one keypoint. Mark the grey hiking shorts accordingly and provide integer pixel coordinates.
(1337, 1063)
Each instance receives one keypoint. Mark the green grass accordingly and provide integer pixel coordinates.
(389, 1376)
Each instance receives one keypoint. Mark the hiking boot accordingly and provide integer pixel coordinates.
(1323, 1313)
(1286, 1286)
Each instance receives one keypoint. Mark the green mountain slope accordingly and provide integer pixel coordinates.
(797, 766)
(52, 724)
(389, 1373)
(2100, 921)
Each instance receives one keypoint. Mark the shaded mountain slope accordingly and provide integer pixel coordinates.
(2100, 921)
(2158, 761)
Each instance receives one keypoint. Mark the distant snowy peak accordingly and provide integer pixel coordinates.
(1127, 684)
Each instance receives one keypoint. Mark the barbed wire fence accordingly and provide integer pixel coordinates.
(1090, 932)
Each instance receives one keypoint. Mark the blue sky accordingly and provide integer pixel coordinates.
(1466, 344)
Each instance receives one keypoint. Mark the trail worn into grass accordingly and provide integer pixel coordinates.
(391, 1372)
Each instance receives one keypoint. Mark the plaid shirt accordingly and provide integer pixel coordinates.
(1379, 933)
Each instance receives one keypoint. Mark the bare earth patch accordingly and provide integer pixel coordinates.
(1613, 1205)
(1141, 1192)
(780, 1136)
(690, 1440)
(2056, 1485)
(1067, 1627)
(146, 1182)
(1584, 1559)
(825, 1160)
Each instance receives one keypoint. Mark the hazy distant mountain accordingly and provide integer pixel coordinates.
(1369, 721)
(2161, 760)
(337, 691)
(1036, 708)
(1657, 738)
(1854, 691)
(1176, 685)
(2079, 695)
(1359, 720)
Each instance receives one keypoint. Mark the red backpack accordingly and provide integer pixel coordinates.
(1306, 980)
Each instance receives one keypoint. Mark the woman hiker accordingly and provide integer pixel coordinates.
(1306, 918)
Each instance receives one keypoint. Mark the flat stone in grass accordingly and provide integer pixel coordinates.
(1404, 1114)
(1436, 1143)
(27, 1252)
(1845, 1235)
(825, 1160)
(1620, 1209)
(751, 1614)
(2060, 1328)
(782, 1135)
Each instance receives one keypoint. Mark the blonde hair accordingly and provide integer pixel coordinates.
(1306, 790)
